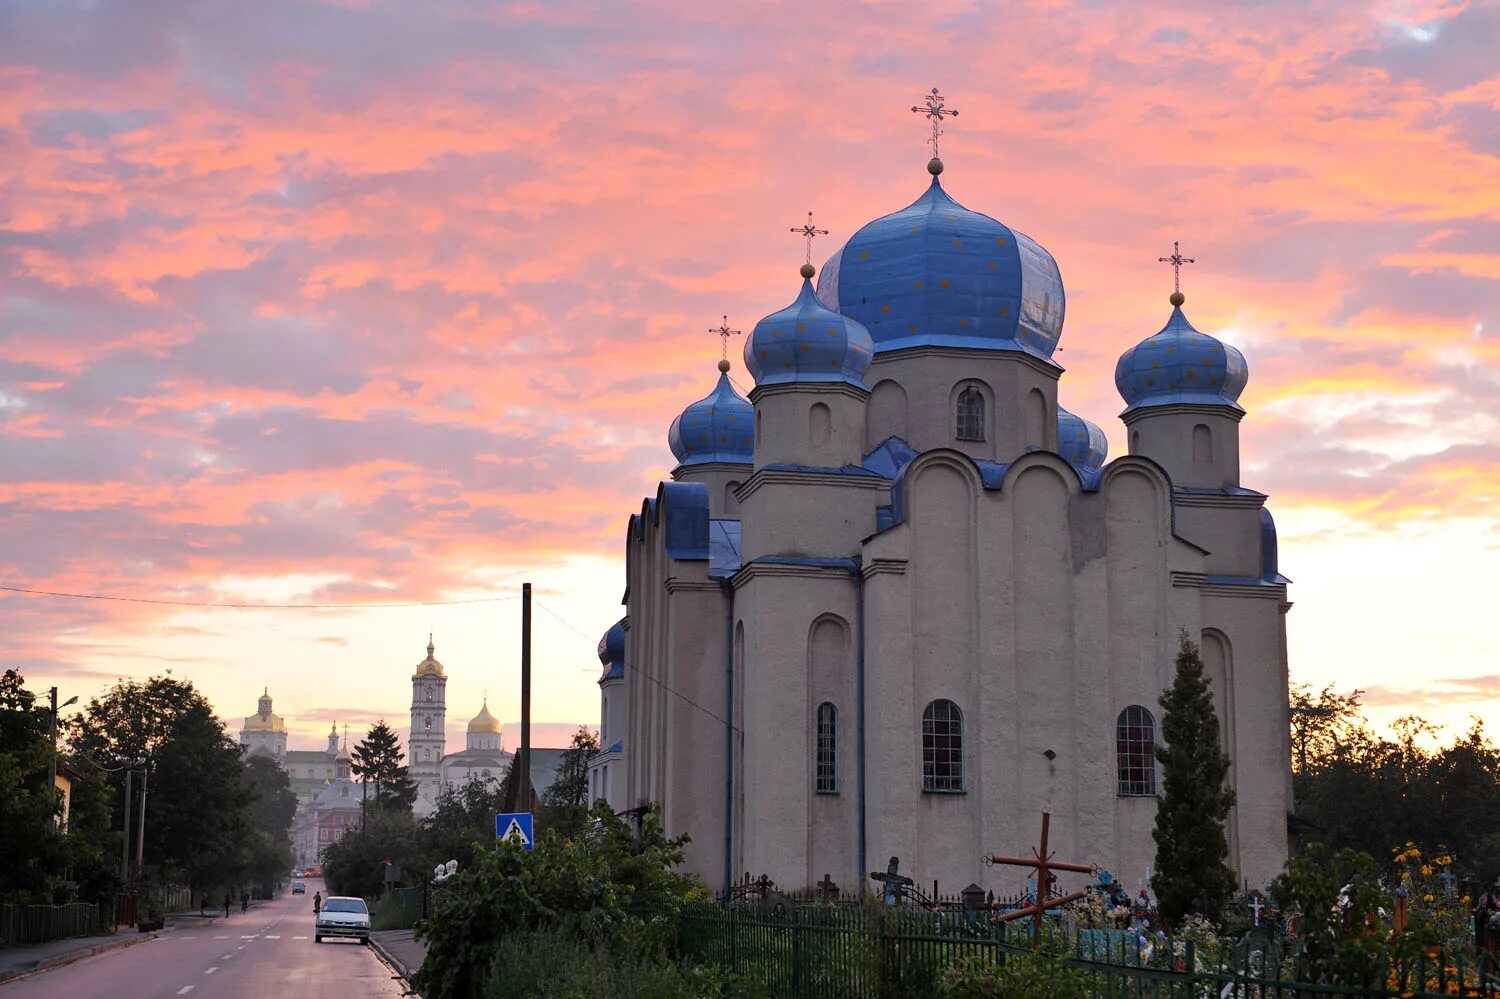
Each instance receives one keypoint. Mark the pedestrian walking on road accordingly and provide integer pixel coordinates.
(227, 900)
(203, 904)
(244, 901)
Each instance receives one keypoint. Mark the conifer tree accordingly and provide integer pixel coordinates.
(1192, 871)
(377, 760)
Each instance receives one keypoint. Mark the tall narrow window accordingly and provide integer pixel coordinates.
(1135, 751)
(942, 747)
(1203, 444)
(970, 415)
(828, 748)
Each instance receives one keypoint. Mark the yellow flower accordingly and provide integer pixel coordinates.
(1443, 861)
(1466, 900)
(1427, 897)
(1426, 870)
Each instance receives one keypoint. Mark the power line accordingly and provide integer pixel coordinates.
(638, 670)
(247, 606)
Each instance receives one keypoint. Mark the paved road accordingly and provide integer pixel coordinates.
(268, 951)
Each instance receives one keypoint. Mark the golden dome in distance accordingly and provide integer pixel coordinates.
(484, 721)
(430, 666)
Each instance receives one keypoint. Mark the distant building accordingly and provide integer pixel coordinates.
(333, 810)
(425, 742)
(264, 731)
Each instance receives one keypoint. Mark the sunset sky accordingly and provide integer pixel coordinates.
(394, 302)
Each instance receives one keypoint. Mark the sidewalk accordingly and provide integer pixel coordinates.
(398, 949)
(17, 962)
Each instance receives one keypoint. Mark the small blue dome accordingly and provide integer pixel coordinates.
(1181, 365)
(1080, 441)
(936, 273)
(612, 651)
(806, 342)
(719, 427)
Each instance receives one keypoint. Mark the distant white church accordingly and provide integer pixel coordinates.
(897, 603)
(483, 757)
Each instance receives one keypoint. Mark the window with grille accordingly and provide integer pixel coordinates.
(970, 415)
(1135, 750)
(942, 747)
(828, 749)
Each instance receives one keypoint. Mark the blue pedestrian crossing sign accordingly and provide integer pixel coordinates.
(514, 826)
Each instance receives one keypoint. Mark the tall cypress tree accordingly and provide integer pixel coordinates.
(377, 760)
(1192, 851)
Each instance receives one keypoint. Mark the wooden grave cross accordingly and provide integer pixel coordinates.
(1041, 861)
(894, 883)
(828, 888)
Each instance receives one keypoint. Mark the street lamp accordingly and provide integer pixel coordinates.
(52, 757)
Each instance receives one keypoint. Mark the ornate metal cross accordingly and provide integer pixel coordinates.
(1255, 906)
(1176, 260)
(935, 111)
(894, 883)
(1041, 861)
(723, 332)
(808, 232)
(828, 888)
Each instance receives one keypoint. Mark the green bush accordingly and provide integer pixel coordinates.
(557, 965)
(604, 888)
(1036, 975)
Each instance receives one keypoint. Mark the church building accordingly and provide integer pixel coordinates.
(482, 758)
(897, 602)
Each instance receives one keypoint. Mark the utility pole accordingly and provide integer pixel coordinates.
(523, 785)
(140, 829)
(125, 830)
(52, 753)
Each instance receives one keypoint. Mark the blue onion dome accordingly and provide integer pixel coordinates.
(718, 427)
(937, 274)
(1180, 365)
(806, 342)
(612, 651)
(1080, 441)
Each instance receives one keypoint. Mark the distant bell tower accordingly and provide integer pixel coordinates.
(424, 747)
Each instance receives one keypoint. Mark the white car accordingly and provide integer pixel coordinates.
(342, 916)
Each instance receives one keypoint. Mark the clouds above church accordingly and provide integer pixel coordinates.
(384, 296)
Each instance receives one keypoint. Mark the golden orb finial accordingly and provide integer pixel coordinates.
(934, 166)
(1177, 298)
(724, 365)
(808, 270)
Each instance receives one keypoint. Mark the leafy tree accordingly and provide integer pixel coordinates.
(356, 864)
(377, 760)
(462, 821)
(35, 856)
(565, 804)
(606, 887)
(1192, 851)
(1336, 896)
(197, 803)
(268, 850)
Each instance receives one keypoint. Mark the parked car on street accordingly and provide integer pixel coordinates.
(299, 888)
(343, 916)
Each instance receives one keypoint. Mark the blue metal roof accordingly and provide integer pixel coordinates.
(806, 342)
(612, 651)
(936, 273)
(718, 427)
(1080, 441)
(723, 548)
(1181, 365)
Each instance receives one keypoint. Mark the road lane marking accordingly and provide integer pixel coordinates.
(250, 936)
(226, 957)
(299, 938)
(270, 936)
(224, 937)
(186, 989)
(210, 971)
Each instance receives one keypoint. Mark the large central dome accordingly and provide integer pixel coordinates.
(937, 274)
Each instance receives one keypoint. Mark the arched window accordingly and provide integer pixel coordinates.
(827, 733)
(427, 723)
(1135, 751)
(819, 424)
(1203, 444)
(942, 747)
(970, 415)
(429, 693)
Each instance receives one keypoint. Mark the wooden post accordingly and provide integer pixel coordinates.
(523, 784)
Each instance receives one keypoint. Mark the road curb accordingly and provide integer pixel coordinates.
(391, 961)
(69, 957)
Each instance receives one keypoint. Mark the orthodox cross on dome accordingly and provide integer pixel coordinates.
(935, 112)
(723, 332)
(1176, 260)
(808, 232)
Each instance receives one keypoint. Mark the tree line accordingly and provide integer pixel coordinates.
(148, 755)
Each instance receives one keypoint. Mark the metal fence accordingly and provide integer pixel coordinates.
(833, 952)
(21, 925)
